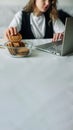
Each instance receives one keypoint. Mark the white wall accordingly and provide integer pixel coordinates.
(13, 2)
(65, 3)
(23, 2)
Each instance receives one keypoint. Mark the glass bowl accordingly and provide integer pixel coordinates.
(19, 51)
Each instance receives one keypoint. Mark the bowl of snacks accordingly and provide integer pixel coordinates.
(18, 48)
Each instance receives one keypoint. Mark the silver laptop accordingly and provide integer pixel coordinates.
(63, 47)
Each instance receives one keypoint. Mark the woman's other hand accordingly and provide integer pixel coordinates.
(9, 32)
(57, 36)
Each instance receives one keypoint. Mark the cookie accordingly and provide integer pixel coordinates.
(15, 38)
(17, 48)
(16, 44)
(11, 50)
(23, 51)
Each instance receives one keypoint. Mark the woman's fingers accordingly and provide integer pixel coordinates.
(15, 30)
(57, 36)
(10, 31)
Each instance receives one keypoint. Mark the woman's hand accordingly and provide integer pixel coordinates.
(10, 31)
(57, 36)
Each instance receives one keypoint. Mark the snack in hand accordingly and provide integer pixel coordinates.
(15, 38)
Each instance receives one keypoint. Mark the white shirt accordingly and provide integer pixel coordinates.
(37, 24)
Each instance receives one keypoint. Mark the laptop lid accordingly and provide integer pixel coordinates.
(67, 45)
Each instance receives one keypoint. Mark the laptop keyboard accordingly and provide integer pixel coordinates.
(54, 48)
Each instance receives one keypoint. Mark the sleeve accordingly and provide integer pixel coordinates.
(58, 26)
(16, 22)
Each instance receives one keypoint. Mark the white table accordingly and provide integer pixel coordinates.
(36, 93)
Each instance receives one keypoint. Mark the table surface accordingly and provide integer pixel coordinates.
(36, 92)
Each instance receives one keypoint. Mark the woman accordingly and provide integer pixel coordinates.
(38, 19)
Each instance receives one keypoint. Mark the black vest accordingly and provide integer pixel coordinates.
(26, 28)
(63, 15)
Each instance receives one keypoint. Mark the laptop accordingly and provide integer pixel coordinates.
(61, 47)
